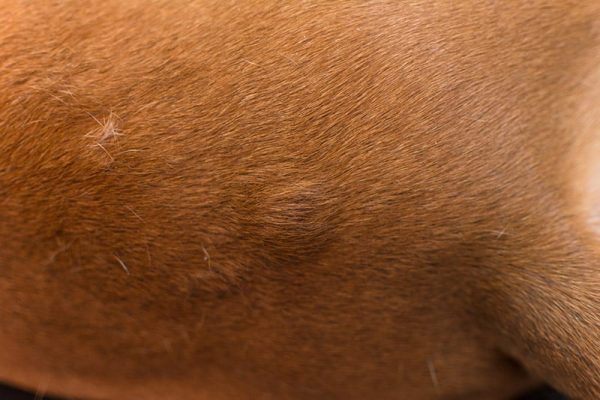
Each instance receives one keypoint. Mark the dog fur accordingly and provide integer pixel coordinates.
(222, 199)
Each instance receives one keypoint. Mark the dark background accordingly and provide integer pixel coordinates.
(7, 393)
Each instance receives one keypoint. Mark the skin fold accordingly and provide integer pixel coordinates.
(299, 200)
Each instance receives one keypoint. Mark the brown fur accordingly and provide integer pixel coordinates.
(299, 200)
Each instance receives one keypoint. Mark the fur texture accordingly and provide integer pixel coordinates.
(299, 200)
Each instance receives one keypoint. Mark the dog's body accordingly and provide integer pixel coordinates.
(317, 200)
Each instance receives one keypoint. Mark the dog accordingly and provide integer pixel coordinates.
(299, 200)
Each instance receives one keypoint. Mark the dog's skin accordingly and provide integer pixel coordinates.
(231, 200)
